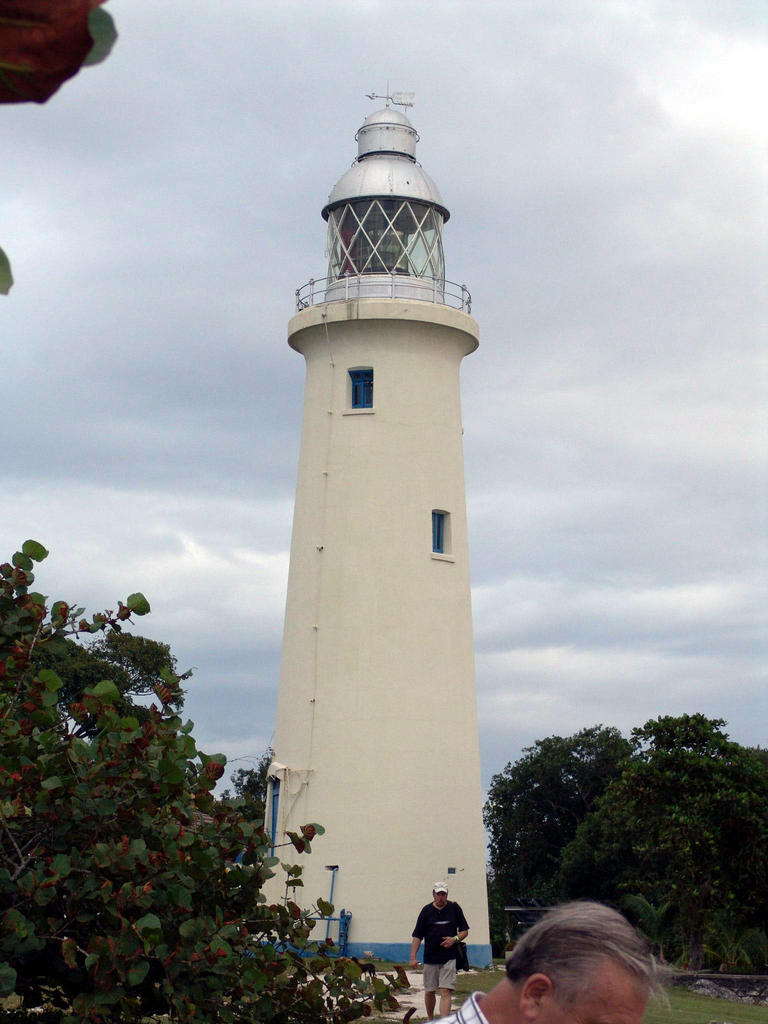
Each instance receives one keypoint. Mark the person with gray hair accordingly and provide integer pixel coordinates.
(581, 963)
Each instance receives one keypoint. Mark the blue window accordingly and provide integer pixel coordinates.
(362, 388)
(273, 807)
(438, 532)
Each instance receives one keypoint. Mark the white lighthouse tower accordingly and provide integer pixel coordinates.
(376, 733)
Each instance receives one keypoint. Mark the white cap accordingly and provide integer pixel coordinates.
(439, 887)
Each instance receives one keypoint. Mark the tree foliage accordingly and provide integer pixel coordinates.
(671, 825)
(600, 862)
(135, 664)
(536, 804)
(652, 920)
(693, 806)
(125, 889)
(250, 786)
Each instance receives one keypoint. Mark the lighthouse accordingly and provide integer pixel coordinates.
(376, 730)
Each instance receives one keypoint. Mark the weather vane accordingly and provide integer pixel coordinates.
(400, 99)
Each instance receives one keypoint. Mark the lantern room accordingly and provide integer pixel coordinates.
(385, 215)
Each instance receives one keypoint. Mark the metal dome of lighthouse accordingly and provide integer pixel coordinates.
(386, 165)
(385, 221)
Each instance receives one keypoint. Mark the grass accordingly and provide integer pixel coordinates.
(691, 1008)
(681, 1007)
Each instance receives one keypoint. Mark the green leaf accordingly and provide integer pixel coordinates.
(138, 972)
(7, 980)
(138, 604)
(18, 924)
(43, 897)
(106, 691)
(61, 864)
(69, 952)
(101, 29)
(171, 771)
(148, 923)
(191, 928)
(179, 896)
(53, 783)
(6, 277)
(22, 561)
(80, 750)
(219, 945)
(50, 680)
(33, 549)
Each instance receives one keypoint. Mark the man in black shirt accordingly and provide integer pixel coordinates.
(441, 924)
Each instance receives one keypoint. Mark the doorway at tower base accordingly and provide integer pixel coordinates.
(400, 952)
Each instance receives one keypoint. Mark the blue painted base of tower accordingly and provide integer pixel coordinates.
(400, 952)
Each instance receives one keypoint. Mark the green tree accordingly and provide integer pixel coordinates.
(125, 889)
(652, 920)
(536, 804)
(600, 862)
(693, 807)
(731, 947)
(250, 786)
(497, 919)
(135, 664)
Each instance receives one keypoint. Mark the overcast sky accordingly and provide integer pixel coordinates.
(605, 165)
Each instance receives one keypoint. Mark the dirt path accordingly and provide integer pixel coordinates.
(413, 997)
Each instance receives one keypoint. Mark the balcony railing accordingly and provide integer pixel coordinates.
(383, 286)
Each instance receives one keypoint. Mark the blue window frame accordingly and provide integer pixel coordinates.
(438, 532)
(362, 388)
(274, 804)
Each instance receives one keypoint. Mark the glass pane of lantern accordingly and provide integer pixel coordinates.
(391, 251)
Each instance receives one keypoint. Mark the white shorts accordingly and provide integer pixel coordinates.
(440, 976)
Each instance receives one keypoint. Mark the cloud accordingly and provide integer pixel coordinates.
(604, 168)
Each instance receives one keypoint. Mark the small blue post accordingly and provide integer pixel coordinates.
(333, 868)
